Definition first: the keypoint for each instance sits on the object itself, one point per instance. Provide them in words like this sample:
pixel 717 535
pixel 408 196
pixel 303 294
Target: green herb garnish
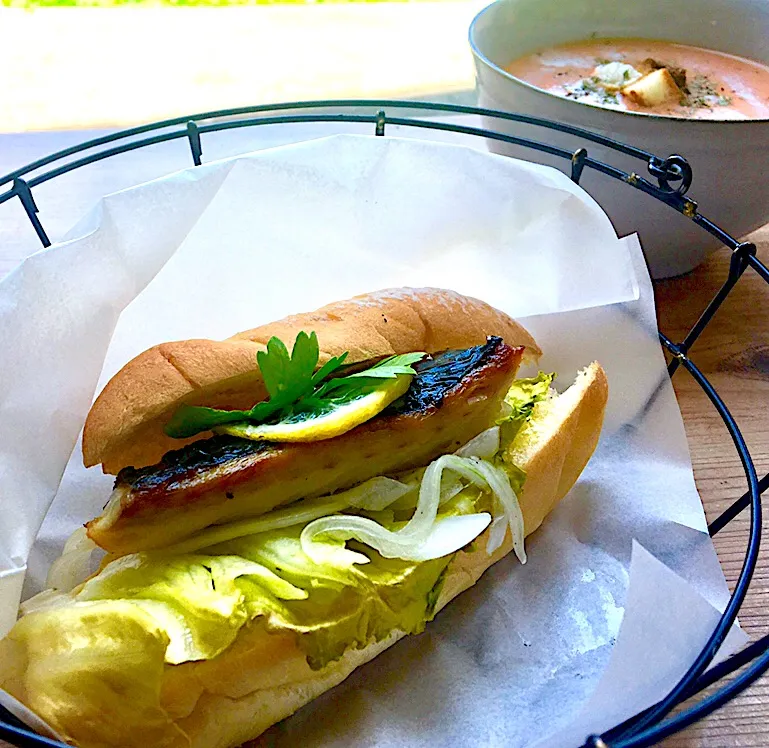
pixel 387 369
pixel 293 386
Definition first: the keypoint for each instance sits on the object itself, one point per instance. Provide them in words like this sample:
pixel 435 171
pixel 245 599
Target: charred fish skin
pixel 195 458
pixel 436 377
pixel 454 396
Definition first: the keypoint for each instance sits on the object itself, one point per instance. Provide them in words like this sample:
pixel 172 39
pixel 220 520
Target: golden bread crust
pixel 125 424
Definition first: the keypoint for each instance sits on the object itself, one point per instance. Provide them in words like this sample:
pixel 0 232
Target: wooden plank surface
pixel 734 354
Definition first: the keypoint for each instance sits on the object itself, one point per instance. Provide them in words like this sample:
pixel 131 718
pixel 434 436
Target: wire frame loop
pixel 673 174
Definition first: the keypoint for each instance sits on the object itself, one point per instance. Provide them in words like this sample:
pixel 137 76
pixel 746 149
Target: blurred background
pixel 82 64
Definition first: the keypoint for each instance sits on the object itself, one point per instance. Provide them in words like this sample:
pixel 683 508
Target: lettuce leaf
pixel 107 653
pixel 194 598
pixel 520 400
pixel 348 606
pixel 197 603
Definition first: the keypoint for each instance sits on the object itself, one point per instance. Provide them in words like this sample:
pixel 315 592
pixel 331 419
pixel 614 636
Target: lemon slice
pixel 336 422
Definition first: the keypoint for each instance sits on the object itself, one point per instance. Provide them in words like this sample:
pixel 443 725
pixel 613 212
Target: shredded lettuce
pixel 111 654
pixel 520 400
pixel 196 598
pixel 199 603
pixel 349 605
pixel 112 639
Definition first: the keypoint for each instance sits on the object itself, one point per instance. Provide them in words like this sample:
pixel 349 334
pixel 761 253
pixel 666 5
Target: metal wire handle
pixel 673 176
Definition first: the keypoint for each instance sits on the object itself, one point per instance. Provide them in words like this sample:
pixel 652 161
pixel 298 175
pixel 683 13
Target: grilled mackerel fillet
pixel 453 397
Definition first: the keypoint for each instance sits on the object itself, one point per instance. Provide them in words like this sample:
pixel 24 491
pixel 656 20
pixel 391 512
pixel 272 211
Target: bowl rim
pixel 665 118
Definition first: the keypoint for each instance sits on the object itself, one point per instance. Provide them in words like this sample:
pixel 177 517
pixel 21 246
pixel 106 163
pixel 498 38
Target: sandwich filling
pixel 452 398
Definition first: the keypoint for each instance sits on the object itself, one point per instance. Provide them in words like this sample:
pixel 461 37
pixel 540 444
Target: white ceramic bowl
pixel 730 159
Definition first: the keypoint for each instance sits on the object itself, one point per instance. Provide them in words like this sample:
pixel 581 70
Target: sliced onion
pixel 449 534
pixel 389 543
pixel 404 542
pixel 486 476
pixel 451 485
pixel 497 533
pixel 344 527
pixel 376 494
pixel 485 445
pixel 499 483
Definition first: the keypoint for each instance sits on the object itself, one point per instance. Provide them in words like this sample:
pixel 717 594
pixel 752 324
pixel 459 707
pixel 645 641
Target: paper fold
pixel 646 660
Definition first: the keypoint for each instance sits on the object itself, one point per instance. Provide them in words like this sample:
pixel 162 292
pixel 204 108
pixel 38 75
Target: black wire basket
pixel 669 181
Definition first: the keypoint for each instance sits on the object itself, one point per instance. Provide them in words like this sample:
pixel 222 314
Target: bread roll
pixel 125 425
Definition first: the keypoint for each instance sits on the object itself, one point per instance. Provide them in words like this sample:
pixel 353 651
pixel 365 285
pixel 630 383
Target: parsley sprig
pixel 294 386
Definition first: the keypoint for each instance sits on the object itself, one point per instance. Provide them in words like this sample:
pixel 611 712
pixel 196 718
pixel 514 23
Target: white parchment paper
pixel 215 249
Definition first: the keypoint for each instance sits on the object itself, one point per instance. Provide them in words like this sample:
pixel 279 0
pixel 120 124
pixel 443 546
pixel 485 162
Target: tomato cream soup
pixel 653 77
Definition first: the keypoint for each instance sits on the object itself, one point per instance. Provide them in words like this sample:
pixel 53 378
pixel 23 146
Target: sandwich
pixel 289 503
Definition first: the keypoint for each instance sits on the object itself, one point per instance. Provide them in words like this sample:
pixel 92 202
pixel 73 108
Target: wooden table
pixel 734 354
